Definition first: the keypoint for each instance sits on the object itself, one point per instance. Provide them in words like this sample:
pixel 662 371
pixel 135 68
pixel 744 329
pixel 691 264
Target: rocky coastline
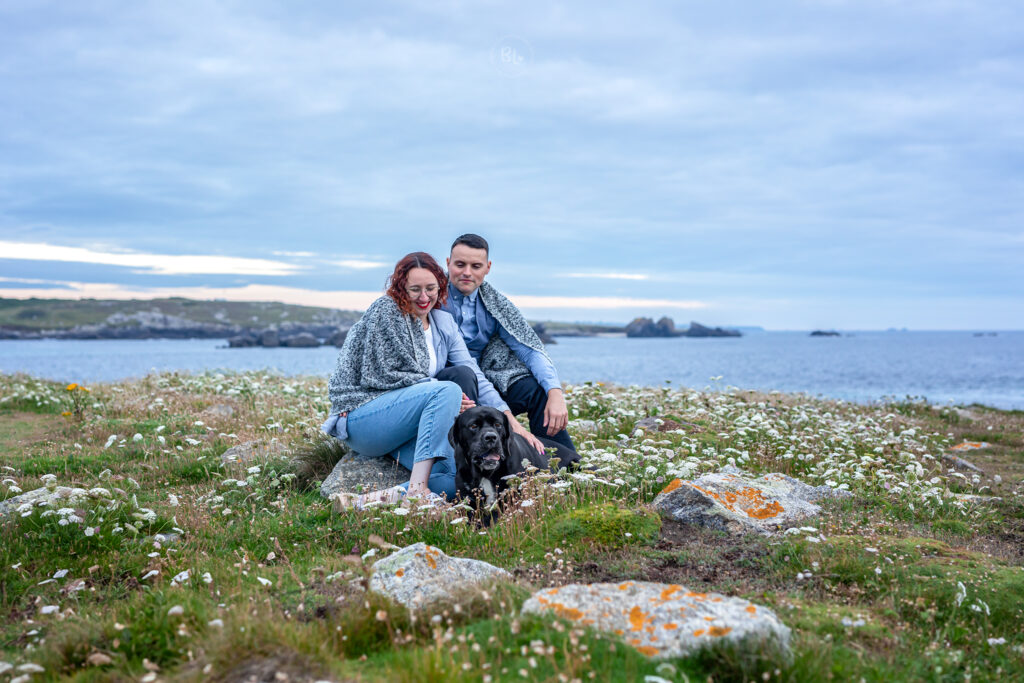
pixel 666 327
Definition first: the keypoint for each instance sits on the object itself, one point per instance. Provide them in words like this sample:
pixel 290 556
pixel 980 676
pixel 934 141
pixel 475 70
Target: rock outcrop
pixel 354 474
pixel 302 340
pixel 420 576
pixel 245 453
pixel 542 333
pixel 658 619
pixel 698 330
pixel 666 327
pixel 56 496
pixel 733 501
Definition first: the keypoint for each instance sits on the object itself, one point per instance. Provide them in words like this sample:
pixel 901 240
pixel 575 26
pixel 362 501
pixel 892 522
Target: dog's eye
pixel 474 427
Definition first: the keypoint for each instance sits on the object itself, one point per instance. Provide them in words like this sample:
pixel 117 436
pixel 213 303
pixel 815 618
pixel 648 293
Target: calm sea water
pixel 866 366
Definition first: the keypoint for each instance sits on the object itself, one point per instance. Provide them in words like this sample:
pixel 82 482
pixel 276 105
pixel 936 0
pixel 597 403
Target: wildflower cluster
pixel 865 449
pixel 71 513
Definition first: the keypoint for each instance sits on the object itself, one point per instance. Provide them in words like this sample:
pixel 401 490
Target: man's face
pixel 467 268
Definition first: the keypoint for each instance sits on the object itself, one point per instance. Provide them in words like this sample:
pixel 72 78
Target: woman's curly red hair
pixel 398 279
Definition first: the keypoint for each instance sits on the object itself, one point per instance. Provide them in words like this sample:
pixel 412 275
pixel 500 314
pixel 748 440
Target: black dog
pixel 487 451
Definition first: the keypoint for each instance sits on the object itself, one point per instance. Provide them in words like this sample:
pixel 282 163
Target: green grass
pixel 953 579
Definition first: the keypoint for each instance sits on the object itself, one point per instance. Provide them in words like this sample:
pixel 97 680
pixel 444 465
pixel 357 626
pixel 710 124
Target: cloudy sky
pixel 855 165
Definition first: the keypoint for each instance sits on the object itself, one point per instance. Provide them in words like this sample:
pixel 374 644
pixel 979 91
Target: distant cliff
pixel 666 327
pixel 174 318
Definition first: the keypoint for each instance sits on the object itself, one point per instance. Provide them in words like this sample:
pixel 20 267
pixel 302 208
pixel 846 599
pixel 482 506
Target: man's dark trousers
pixel 528 396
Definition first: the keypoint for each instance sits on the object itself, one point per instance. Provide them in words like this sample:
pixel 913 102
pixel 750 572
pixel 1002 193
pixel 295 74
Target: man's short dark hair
pixel 472 241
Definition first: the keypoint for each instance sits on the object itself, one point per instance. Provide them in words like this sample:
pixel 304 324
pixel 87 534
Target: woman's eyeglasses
pixel 416 290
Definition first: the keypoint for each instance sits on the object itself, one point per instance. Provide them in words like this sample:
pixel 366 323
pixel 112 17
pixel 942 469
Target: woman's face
pixel 421 288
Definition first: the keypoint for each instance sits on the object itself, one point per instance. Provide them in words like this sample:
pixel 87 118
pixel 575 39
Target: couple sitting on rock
pixel 432 347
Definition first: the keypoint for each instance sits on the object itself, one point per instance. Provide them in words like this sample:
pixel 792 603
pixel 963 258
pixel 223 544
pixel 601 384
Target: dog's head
pixel 480 435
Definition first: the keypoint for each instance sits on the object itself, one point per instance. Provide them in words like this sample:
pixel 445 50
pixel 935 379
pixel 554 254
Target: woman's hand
pixel 467 403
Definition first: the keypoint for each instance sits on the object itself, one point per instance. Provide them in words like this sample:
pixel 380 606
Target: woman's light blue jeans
pixel 411 425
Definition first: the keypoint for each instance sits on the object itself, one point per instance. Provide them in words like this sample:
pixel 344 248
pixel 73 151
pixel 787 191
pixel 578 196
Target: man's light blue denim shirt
pixel 477 326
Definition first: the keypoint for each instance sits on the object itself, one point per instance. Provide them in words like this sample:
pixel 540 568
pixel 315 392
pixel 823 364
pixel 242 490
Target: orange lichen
pixel 671 626
pixel 709 618
pixel 430 556
pixel 566 612
pixel 667 593
pixel 748 499
pixel 400 573
pixel 969 446
pixel 751 609
pixel 699 596
pixel 647 650
pixel 637 618
pixel 699 632
pixel 718 630
pixel 625 586
pixel 672 486
pixel 553 591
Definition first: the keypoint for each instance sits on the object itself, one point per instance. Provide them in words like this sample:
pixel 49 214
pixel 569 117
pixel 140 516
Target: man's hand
pixel 556 414
pixel 521 431
pixel 467 403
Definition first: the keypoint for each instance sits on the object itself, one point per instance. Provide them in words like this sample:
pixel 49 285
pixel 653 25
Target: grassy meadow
pixel 179 568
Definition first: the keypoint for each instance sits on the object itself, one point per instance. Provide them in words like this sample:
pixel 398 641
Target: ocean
pixel 942 367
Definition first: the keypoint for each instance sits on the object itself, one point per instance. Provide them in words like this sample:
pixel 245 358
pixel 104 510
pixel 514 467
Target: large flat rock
pixel 739 503
pixel 355 474
pixel 420 575
pixel 660 619
pixel 252 451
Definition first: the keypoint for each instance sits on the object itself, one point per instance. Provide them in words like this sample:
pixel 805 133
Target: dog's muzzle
pixel 491 459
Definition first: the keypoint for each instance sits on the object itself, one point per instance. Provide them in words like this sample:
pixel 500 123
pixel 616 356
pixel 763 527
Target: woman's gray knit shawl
pixel 498 363
pixel 382 352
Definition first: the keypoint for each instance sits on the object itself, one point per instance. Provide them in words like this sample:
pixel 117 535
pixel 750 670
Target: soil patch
pixel 20 430
pixel 688 555
pixel 277 668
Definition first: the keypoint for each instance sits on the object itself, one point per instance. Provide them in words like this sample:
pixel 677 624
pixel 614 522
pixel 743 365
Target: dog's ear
pixel 451 432
pixel 506 441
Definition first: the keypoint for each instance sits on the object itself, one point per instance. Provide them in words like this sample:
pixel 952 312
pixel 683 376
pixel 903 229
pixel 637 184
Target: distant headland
pixel 249 324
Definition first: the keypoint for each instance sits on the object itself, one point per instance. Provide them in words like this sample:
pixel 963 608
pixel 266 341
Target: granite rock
pixel 245 453
pixel 301 341
pixel 584 426
pixel 421 575
pixel 218 410
pixel 355 474
pixel 733 501
pixel 661 620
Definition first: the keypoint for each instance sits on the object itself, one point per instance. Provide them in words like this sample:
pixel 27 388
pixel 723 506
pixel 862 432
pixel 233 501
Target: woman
pixel 392 394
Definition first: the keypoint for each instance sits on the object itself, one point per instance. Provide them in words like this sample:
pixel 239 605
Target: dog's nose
pixel 490 438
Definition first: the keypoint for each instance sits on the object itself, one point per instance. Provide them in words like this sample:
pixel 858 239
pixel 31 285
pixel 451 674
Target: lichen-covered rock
pixel 960 463
pixel 969 446
pixel 245 453
pixel 660 619
pixel 218 411
pixel 421 575
pixel 354 474
pixel 584 426
pixel 733 501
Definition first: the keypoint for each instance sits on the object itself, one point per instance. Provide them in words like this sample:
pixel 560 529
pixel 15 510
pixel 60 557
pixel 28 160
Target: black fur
pixel 487 451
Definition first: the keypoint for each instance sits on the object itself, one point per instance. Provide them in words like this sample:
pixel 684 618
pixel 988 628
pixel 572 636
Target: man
pixel 507 349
